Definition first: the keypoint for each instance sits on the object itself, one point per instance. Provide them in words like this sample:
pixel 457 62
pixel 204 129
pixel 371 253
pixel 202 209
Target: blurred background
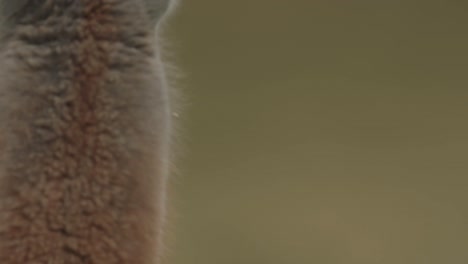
pixel 322 132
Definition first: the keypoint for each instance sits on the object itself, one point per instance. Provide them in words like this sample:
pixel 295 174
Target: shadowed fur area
pixel 84 133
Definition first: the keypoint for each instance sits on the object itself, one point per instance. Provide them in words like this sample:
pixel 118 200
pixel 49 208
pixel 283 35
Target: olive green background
pixel 321 132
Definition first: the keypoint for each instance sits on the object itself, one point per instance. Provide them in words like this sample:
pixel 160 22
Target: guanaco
pixel 85 125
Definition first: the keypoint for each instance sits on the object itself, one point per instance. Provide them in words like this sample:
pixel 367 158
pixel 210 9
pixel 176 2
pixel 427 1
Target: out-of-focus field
pixel 322 132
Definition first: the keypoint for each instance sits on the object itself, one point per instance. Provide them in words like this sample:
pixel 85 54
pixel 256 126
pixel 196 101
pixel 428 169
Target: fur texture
pixel 84 132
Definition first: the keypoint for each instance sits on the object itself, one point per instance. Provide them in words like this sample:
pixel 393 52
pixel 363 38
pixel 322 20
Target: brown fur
pixel 84 133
